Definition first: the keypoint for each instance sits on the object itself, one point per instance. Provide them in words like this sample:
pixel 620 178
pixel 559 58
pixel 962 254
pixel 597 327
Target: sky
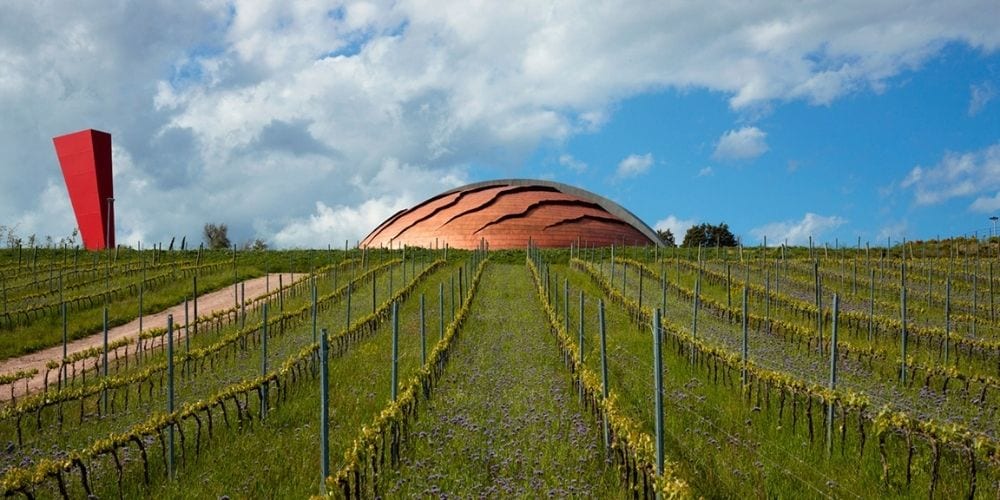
pixel 307 123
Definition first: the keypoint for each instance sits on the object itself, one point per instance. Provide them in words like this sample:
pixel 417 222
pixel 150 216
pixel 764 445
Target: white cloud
pixel 676 226
pixel 979 96
pixel 743 144
pixel 634 165
pixel 798 232
pixel 571 163
pixel 986 204
pixel 956 176
pixel 250 112
pixel 706 171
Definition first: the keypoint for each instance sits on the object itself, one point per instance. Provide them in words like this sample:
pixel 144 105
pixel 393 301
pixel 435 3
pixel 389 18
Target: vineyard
pixel 584 372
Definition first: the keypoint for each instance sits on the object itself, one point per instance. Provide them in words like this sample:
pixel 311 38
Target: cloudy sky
pixel 306 123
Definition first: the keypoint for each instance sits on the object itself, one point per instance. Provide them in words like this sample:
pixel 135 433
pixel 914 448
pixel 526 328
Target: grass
pixel 504 421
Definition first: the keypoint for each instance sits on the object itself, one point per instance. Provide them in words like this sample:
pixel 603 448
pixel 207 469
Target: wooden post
pixel 658 387
pixel 745 351
pixel 423 333
pixel 263 366
pixel 833 374
pixel 581 344
pixel 395 348
pixel 947 317
pixel 604 369
pixel 903 339
pixel 441 310
pixel 314 311
pixel 194 281
pixel 104 395
pixel 347 325
pixel 170 391
pixel 324 410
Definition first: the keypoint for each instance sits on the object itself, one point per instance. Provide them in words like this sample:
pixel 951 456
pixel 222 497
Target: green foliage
pixel 216 236
pixel 709 235
pixel 667 237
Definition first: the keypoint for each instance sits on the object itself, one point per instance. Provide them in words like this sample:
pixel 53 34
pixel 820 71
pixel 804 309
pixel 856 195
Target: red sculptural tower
pixel 85 159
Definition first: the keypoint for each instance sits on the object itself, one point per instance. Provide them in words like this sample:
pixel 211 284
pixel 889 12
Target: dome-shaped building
pixel 506 213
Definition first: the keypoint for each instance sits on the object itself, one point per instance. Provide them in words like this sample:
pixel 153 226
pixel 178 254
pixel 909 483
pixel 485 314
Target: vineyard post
pixel 744 352
pixel 624 275
pixel 640 289
pixel 347 326
pixel 658 387
pixel 902 313
pixel 390 279
pixel 64 342
pixel 767 300
pixel 281 293
pixel 452 293
pixel 816 297
pixel 243 305
pixel 871 303
pixel 694 311
pixel 930 288
pixel 729 292
pixel 373 292
pixel 566 303
pixel 187 337
pixel 263 366
pixel 461 287
pixel 236 291
pixel 819 307
pixel 194 295
pixel 441 310
pixel 395 348
pixel 104 394
pixel 992 308
pixel 663 288
pixel 581 344
pixel 947 317
pixel 324 410
pixel 142 283
pixel 314 332
pixel 170 391
pixel 612 265
pixel 604 369
pixel 854 277
pixel 423 333
pixel 833 374
pixel 975 296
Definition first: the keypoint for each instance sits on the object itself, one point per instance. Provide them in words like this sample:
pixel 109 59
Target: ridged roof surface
pixel 506 213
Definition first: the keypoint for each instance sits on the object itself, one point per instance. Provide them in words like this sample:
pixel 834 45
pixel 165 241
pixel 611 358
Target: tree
pixel 667 237
pixel 709 235
pixel 256 244
pixel 216 236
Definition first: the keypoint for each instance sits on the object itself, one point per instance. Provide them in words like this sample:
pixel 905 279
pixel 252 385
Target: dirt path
pixel 218 300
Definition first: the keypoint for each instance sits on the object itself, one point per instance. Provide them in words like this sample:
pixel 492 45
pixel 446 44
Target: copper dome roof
pixel 506 213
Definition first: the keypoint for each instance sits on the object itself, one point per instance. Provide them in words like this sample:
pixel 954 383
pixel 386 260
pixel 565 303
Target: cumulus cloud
pixel 252 112
pixel 957 175
pixel 798 232
pixel 634 165
pixel 571 163
pixel 979 96
pixel 743 144
pixel 706 172
pixel 676 225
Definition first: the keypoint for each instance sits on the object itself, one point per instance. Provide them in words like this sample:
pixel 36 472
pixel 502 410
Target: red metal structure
pixel 85 159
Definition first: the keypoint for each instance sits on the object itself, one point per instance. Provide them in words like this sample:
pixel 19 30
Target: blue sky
pixel 308 123
pixel 844 159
